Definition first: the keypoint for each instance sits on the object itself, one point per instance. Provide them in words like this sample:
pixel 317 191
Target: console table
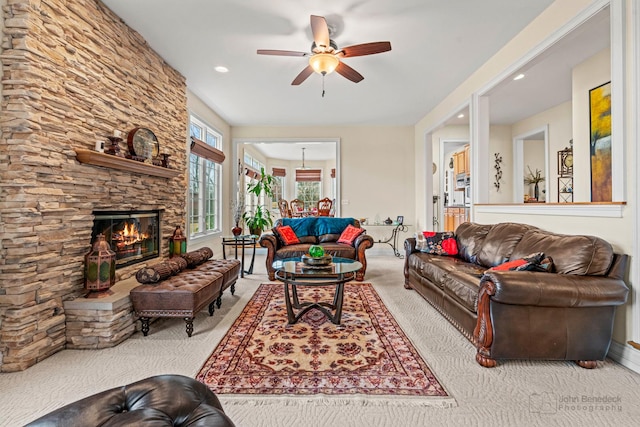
pixel 242 241
pixel 393 238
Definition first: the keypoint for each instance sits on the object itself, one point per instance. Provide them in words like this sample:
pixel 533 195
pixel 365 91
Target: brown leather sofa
pixel 164 400
pixel 323 231
pixel 567 314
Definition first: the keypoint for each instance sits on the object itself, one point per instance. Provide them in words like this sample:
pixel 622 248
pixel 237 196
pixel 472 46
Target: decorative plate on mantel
pixel 137 139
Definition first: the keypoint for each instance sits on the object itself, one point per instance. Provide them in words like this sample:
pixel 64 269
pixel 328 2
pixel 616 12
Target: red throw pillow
pixel 349 234
pixel 510 265
pixel 286 235
pixel 533 262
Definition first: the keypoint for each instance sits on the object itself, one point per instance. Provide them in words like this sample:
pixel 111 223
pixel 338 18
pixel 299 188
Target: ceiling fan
pixel 325 57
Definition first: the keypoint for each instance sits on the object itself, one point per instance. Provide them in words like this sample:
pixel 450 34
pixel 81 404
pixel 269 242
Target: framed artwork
pixel 600 142
pixel 400 219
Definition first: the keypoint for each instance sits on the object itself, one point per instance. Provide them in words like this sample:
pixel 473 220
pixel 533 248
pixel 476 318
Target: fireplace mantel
pixel 110 161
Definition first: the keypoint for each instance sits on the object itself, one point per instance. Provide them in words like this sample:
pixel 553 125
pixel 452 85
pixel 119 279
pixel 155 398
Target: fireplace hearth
pixel 133 235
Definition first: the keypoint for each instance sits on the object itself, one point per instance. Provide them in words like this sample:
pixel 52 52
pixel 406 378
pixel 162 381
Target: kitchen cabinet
pixel 461 160
pixel 467 160
pixel 454 216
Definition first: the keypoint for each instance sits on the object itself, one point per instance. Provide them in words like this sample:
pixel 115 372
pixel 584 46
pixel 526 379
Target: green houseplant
pixel 260 218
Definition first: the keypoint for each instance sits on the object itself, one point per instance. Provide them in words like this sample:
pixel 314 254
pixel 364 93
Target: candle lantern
pixel 99 269
pixel 177 242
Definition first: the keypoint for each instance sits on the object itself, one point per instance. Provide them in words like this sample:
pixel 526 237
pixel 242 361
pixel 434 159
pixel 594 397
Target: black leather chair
pixel 171 400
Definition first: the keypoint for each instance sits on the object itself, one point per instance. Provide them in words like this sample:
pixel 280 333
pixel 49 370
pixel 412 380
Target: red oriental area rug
pixel 367 355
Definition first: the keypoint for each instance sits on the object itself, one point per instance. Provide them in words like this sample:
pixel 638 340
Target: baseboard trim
pixel 625 355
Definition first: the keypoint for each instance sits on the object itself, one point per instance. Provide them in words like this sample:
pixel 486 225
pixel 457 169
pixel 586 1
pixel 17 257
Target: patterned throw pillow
pixel 533 262
pixel 286 235
pixel 349 234
pixel 439 243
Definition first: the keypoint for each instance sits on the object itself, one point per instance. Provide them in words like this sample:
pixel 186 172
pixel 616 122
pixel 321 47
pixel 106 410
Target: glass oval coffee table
pixel 293 272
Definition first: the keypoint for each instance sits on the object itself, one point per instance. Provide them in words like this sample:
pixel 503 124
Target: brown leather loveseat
pixel 163 400
pixel 323 231
pixel 565 314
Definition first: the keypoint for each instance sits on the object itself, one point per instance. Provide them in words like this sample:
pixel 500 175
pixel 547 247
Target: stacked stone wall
pixel 72 73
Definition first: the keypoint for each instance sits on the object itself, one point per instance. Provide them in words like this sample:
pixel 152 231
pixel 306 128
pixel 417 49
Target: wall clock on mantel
pixel 138 139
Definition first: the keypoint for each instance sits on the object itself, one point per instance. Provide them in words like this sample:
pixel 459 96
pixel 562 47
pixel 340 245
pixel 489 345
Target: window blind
pixel 308 175
pixel 202 149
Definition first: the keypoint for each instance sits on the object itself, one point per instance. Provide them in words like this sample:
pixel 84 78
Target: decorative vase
pixel 536 192
pixel 237 230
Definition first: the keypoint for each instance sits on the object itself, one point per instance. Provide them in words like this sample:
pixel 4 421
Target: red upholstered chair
pixel 324 206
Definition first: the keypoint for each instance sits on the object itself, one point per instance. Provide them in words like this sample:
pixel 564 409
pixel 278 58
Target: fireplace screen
pixel 134 236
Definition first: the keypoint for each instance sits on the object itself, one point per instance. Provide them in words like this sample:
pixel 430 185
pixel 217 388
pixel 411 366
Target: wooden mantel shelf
pixel 110 161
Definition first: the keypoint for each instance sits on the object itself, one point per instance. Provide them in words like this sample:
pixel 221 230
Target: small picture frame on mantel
pixel 400 219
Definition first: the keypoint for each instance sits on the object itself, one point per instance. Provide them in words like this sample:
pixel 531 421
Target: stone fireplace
pixel 66 85
pixel 133 235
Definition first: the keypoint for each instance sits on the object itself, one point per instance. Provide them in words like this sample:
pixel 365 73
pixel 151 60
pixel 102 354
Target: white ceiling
pixel 436 45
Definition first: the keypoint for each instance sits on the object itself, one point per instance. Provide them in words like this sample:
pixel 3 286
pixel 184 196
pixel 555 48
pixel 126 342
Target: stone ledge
pixel 112 302
pixel 94 323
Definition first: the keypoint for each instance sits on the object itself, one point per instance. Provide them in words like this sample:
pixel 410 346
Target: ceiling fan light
pixel 323 63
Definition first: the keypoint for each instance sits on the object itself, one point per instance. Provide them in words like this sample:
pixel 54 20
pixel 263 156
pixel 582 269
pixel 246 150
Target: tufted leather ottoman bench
pixel 186 293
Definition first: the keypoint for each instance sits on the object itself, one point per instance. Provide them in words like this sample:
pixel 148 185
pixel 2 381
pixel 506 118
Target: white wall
pixel 500 141
pixel 559 122
pixel 376 169
pixel 210 117
pixel 592 73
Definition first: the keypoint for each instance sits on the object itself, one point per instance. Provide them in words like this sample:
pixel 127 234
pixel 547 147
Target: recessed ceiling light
pixel 519 76
pixel 221 69
pixel 460 115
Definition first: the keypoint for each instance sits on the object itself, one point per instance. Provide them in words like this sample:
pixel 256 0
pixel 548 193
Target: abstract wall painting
pixel 600 133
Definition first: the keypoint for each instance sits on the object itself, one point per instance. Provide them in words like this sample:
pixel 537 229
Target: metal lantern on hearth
pixel 177 242
pixel 99 268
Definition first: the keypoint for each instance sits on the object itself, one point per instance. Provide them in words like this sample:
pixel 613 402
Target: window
pixel 309 192
pixel 252 168
pixel 278 185
pixel 204 183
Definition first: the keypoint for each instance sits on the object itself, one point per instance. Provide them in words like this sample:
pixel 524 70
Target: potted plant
pixel 260 217
pixel 535 179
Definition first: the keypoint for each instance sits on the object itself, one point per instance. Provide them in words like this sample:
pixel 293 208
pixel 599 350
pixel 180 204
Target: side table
pixel 392 240
pixel 242 241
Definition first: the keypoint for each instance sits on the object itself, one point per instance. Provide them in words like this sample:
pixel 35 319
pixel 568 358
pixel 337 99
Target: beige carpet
pixel 513 394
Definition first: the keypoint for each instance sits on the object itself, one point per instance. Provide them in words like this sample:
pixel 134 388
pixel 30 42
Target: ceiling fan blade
pixel 281 52
pixel 348 72
pixel 320 31
pixel 365 49
pixel 302 76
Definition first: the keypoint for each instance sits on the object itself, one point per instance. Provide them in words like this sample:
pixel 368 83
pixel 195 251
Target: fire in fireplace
pixel 133 235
